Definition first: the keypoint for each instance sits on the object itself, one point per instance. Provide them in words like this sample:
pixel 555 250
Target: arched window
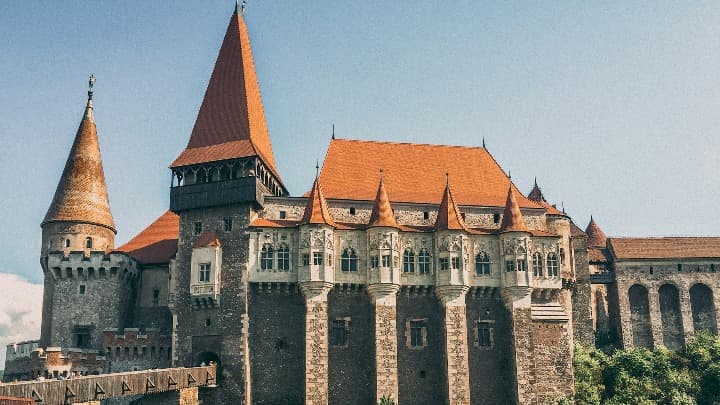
pixel 283 254
pixel 67 243
pixel 349 260
pixel 482 264
pixel 266 257
pixel 537 264
pixel 408 261
pixel 552 264
pixel 88 242
pixel 424 262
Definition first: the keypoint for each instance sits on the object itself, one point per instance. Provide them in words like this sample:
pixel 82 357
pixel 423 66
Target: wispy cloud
pixel 20 311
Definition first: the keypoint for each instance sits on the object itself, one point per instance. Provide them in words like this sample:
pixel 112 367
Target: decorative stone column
pixel 316 341
pixel 456 346
pixel 655 316
pixel 384 297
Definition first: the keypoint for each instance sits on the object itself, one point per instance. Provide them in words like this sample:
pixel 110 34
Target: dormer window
pixel 88 243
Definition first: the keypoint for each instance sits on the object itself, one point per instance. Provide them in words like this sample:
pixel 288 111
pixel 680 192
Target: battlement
pixel 20 350
pixel 97 264
pixel 132 348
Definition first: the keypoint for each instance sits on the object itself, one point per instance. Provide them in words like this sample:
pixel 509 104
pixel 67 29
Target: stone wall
pixel 132 350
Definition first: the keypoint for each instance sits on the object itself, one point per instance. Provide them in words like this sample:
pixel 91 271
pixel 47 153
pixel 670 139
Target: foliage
pixel 639 376
pixel 386 400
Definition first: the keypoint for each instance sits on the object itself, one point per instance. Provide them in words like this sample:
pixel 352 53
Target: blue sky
pixel 614 106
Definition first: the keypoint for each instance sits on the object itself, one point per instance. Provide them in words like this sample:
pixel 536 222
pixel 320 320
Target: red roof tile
pixel 316 210
pixel 449 217
pixel 665 248
pixel 207 239
pixel 597 254
pixel 157 243
pixel 382 213
pixel 81 194
pixel 512 217
pixel 231 121
pixel 414 173
pixel 596 237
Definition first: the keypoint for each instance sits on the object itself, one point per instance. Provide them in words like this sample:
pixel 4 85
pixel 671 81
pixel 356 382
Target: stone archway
pixel 671 317
pixel 640 316
pixel 703 308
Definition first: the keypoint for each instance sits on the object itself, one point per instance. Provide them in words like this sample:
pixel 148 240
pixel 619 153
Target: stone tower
pixel 219 184
pixel 81 298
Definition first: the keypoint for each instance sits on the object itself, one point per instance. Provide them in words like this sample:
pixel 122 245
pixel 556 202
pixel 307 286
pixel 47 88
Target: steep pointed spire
pixel 382 212
pixel 231 121
pixel 512 217
pixel 596 237
pixel 81 194
pixel 449 217
pixel 316 210
pixel 536 194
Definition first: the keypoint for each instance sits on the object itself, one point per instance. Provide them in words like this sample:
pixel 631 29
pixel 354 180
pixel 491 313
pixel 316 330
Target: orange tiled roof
pixel 81 194
pixel 231 121
pixel 665 248
pixel 598 254
pixel 316 210
pixel 512 217
pixel 449 217
pixel 414 173
pixel 382 213
pixel 207 239
pixel 596 237
pixel 157 243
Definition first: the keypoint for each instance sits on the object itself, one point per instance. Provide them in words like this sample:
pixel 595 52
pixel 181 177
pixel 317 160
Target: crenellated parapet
pixel 95 265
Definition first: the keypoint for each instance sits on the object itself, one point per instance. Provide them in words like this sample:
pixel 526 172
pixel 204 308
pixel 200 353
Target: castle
pixel 410 271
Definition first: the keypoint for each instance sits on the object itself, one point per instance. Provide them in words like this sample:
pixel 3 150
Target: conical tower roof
pixel 449 217
pixel 231 121
pixel 316 210
pixel 536 194
pixel 596 237
pixel 81 194
pixel 382 212
pixel 512 217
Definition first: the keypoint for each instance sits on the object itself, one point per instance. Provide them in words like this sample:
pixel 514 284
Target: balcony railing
pixel 244 189
pixel 204 289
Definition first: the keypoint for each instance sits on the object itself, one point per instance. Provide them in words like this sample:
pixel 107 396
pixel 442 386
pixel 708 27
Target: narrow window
pixel 267 254
pixel 156 296
pixel 424 262
pixel 306 259
pixel 562 256
pixel 417 333
pixel 522 264
pixel 509 265
pixel 283 214
pixel 426 215
pixel 197 230
pixel 317 258
pixel 338 335
pixel 537 264
pixel 67 243
pixel 386 261
pixel 462 215
pixel 348 260
pixel 455 262
pixel 227 224
pixel 408 261
pixel 679 267
pixel 552 264
pixel 444 263
pixel 352 210
pixel 204 274
pixel 82 289
pixel 482 264
pixel 88 243
pixel 484 334
pixel 496 218
pixel 712 267
pixel 283 257
pixel 374 262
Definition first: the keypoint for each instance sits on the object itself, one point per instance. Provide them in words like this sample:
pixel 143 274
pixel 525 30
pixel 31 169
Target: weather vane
pixel 240 6
pixel 91 82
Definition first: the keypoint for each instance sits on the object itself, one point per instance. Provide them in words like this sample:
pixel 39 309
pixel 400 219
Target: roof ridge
pixel 407 143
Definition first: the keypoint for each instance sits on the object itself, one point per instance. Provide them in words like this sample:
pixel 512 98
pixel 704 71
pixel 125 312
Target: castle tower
pixel 596 237
pixel 219 184
pixel 79 302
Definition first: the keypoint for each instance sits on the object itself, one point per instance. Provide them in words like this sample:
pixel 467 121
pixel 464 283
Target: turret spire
pixel 596 237
pixel 382 212
pixel 316 210
pixel 81 194
pixel 512 220
pixel 449 217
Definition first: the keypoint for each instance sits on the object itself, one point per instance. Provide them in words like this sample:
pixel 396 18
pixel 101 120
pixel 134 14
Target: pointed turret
pixel 512 217
pixel 449 217
pixel 316 210
pixel 596 237
pixel 81 195
pixel 382 212
pixel 536 194
pixel 231 121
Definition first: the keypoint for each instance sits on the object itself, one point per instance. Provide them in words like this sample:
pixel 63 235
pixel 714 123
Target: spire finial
pixel 333 134
pixel 240 6
pixel 447 179
pixel 535 181
pixel 484 142
pixel 381 174
pixel 562 205
pixel 91 83
pixel 317 169
pixel 509 176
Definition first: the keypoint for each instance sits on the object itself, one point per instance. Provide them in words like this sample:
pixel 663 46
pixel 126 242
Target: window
pixel 374 262
pixel 197 230
pixel 88 243
pixel 338 332
pixel 455 262
pixel 417 333
pixel 352 210
pixel 348 260
pixel 552 264
pixel 537 264
pixel 82 336
pixel 426 215
pixel 562 256
pixel 306 259
pixel 67 243
pixel 408 261
pixel 283 259
pixel 424 262
pixel 712 267
pixel 227 224
pixel 82 289
pixel 522 264
pixel 484 334
pixel 267 254
pixel 679 266
pixel 496 218
pixel 444 263
pixel 482 264
pixel 204 276
pixel 386 261
pixel 509 265
pixel 317 258
pixel 283 214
